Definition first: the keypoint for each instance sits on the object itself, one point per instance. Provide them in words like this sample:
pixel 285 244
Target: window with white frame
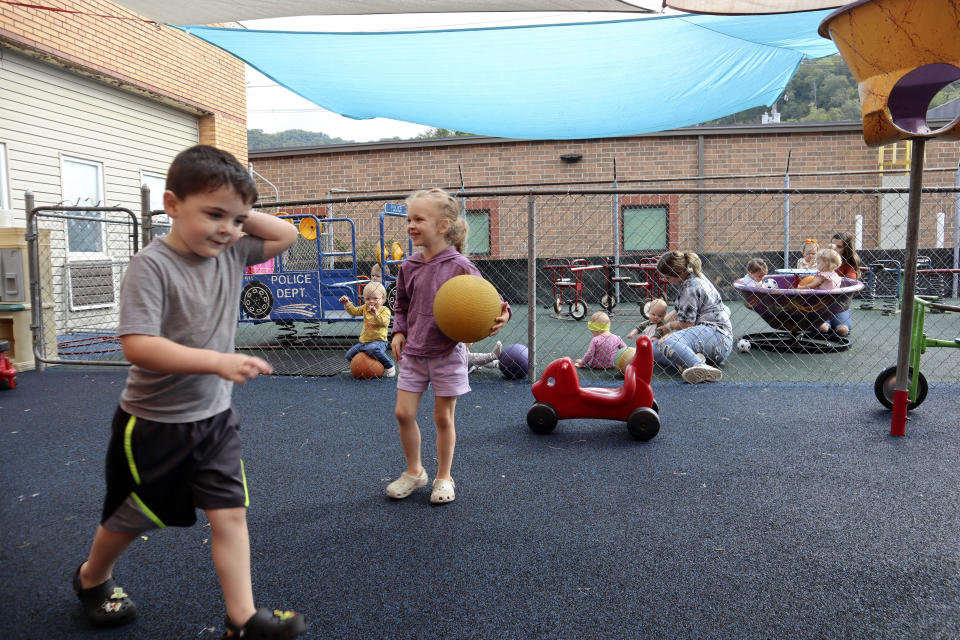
pixel 82 186
pixel 157 184
pixel 90 269
pixel 4 191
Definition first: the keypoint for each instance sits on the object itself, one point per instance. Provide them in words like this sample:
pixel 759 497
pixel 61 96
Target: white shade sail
pixel 182 12
pixel 744 7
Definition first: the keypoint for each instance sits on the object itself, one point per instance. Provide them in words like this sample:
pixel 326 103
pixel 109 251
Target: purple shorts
pixel 447 374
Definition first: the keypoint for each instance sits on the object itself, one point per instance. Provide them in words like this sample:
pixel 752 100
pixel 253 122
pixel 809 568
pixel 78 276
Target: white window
pixel 4 190
pixel 90 268
pixel 82 186
pixel 157 184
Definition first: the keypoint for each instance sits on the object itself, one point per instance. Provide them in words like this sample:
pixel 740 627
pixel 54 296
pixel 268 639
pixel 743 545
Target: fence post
pixel 956 230
pixel 146 219
pixel 532 287
pixel 902 382
pixel 786 214
pixel 33 257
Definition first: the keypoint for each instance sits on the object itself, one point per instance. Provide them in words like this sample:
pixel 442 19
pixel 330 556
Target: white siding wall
pixel 47 112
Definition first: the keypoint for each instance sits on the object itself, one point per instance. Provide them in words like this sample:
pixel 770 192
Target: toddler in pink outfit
pixel 602 352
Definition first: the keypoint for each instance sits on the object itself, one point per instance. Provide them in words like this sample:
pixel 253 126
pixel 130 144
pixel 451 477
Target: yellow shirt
pixel 375 323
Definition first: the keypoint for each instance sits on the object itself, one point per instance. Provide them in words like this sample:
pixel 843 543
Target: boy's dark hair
pixel 202 169
pixel 756 264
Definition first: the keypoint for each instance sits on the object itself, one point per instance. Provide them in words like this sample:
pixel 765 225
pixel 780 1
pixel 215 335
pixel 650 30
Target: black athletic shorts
pixel 159 473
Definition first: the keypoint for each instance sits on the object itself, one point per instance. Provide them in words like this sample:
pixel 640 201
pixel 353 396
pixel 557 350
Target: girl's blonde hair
pixel 808 243
pixel 374 287
pixel 832 257
pixel 600 317
pixel 680 264
pixel 449 210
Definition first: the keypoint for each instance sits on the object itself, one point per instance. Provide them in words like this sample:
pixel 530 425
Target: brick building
pixel 820 155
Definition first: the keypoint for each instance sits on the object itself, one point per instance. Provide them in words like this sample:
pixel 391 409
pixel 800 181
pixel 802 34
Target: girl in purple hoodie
pixel 423 353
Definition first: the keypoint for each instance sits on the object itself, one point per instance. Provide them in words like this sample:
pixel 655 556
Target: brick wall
pixel 581 225
pixel 156 61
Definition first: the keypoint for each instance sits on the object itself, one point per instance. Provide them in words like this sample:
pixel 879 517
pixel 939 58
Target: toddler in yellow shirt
pixel 376 321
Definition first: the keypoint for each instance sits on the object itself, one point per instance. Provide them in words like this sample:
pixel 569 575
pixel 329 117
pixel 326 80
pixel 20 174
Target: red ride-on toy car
pixel 8 374
pixel 560 397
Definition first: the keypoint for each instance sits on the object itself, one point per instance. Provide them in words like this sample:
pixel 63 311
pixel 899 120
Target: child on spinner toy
pixel 425 354
pixel 602 352
pixel 376 320
pixel 810 251
pixel 656 313
pixel 756 271
pixel 175 445
pixel 828 261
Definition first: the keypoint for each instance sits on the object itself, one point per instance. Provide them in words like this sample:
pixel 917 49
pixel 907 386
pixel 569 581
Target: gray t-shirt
pixel 193 301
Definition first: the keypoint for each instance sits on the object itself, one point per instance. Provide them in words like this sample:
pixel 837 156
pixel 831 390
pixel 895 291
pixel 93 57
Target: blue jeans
pixel 376 349
pixel 842 318
pixel 680 348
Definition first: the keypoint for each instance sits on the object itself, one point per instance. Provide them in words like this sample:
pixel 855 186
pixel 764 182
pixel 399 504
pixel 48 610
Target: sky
pixel 273 108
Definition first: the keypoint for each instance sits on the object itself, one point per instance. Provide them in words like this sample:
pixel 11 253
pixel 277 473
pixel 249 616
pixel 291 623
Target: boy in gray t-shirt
pixel 175 445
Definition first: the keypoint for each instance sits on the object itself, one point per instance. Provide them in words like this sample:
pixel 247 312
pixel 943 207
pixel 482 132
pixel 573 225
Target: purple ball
pixel 513 361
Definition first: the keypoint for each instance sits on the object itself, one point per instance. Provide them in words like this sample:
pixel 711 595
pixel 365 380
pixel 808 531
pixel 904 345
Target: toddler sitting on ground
pixel 602 352
pixel 656 312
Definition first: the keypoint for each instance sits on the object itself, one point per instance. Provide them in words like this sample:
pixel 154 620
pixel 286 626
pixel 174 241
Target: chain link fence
pixel 587 250
pixel 78 257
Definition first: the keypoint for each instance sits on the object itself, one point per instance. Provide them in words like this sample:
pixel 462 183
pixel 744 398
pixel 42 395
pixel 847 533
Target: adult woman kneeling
pixel 699 323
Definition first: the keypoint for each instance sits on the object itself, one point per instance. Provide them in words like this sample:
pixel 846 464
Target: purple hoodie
pixel 417 285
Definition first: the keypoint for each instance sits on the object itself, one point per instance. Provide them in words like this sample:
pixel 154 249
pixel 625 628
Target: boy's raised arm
pixel 277 234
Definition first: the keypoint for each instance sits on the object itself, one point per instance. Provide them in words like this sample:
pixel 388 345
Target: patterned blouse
pixel 602 352
pixel 699 302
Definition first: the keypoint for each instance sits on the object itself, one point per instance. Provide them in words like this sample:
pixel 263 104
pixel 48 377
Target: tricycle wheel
pixel 644 424
pixel 656 407
pixel 578 310
pixel 542 418
pixel 608 302
pixel 557 304
pixel 883 387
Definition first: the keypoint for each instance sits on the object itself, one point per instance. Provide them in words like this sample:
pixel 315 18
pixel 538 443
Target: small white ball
pixel 743 345
pixel 768 284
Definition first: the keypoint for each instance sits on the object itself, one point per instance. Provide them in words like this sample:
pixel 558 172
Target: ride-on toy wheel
pixel 883 387
pixel 542 418
pixel 608 302
pixel 644 424
pixel 578 310
pixel 557 305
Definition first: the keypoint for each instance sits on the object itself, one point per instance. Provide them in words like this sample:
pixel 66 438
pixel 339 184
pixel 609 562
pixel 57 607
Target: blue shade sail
pixel 560 81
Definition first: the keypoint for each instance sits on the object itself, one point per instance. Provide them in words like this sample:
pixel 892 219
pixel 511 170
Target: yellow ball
pixel 466 307
pixel 624 357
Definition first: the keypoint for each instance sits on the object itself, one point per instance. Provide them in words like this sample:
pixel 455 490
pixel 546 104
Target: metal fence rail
pixel 559 255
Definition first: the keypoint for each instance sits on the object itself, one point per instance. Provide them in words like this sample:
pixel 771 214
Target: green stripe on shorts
pixel 128 448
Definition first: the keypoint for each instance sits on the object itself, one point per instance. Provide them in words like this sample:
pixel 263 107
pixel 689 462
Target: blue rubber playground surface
pixel 759 511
